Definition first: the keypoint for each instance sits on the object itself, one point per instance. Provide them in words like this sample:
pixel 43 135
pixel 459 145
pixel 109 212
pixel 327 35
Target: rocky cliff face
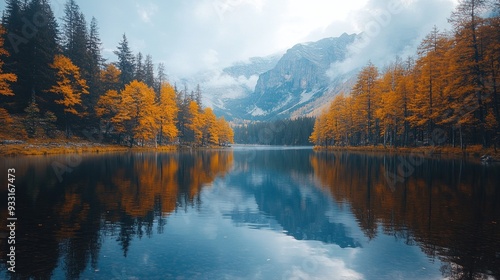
pixel 291 85
pixel 298 78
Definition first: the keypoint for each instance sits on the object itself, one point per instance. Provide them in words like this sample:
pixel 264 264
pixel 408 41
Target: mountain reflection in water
pixel 253 213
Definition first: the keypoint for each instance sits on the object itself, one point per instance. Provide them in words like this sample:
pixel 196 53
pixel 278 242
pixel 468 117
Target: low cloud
pixel 390 29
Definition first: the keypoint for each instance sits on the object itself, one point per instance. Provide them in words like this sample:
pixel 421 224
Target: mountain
pixel 299 77
pixel 294 85
pixel 235 82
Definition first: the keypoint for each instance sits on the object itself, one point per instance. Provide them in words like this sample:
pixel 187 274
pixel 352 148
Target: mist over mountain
pixel 303 80
pixel 285 86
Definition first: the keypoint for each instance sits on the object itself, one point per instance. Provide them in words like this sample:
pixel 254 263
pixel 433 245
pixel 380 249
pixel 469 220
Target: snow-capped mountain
pixel 294 84
pixel 233 83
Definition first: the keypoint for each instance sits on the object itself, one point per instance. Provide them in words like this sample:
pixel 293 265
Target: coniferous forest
pixel 279 132
pixel 55 83
pixel 448 94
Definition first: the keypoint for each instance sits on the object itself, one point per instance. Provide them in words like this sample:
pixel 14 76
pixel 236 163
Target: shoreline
pixel 82 147
pixel 471 152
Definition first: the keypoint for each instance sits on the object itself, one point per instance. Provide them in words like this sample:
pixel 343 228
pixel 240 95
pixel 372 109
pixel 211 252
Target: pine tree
pixel 32 119
pixel 197 96
pixel 95 64
pixel 149 75
pixel 34 49
pixel 139 68
pixel 161 78
pixel 13 39
pixel 125 63
pixel 75 37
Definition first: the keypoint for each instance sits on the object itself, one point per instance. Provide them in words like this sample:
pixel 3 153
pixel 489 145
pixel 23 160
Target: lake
pixel 252 212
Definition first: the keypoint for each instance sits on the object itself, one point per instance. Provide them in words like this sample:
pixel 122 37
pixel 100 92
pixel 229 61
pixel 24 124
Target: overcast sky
pixel 193 35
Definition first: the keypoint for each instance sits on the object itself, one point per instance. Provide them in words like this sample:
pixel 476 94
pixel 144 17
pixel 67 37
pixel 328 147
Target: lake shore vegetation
pixel 445 99
pixel 57 91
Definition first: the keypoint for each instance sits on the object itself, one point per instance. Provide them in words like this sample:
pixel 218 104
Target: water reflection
pixel 449 208
pixel 253 214
pixel 124 196
pixel 281 184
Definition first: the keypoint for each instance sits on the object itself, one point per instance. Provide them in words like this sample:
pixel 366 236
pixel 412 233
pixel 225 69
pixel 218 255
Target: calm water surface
pixel 252 213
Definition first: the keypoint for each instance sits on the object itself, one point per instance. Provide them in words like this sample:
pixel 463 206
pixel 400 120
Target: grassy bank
pixel 474 152
pixel 70 147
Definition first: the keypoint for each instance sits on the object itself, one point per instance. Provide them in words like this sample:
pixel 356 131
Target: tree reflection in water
pixel 121 196
pixel 447 207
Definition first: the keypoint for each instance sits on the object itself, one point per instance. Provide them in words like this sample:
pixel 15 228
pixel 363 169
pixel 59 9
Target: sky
pixel 190 36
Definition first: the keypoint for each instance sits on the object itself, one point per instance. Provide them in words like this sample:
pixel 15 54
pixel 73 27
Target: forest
pixel 55 83
pixel 446 95
pixel 279 132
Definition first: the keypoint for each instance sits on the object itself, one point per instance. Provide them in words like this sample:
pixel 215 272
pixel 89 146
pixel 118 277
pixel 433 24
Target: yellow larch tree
pixel 469 63
pixel 194 123
pixel 390 110
pixel 5 80
pixel 429 104
pixel 137 114
pixel 70 86
pixel 107 107
pixel 110 78
pixel 226 133
pixel 363 92
pixel 490 34
pixel 210 127
pixel 318 135
pixel 167 113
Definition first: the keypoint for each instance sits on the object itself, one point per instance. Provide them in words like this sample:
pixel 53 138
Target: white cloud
pixel 387 29
pixel 146 11
pixel 187 34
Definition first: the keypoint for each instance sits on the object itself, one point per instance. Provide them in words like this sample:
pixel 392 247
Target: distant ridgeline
pixel 447 95
pixel 279 132
pixel 56 80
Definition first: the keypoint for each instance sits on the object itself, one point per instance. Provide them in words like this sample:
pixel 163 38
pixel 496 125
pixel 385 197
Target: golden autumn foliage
pixel 69 84
pixel 210 128
pixel 418 207
pixel 140 116
pixel 110 78
pixel 226 133
pixel 451 89
pixel 5 78
pixel 195 121
pixel 168 111
pixel 137 112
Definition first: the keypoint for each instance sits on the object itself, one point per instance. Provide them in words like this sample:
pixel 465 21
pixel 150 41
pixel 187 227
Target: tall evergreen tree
pixel 161 77
pixel 94 64
pixel 139 68
pixel 35 74
pixel 125 63
pixel 149 75
pixel 31 40
pixel 75 36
